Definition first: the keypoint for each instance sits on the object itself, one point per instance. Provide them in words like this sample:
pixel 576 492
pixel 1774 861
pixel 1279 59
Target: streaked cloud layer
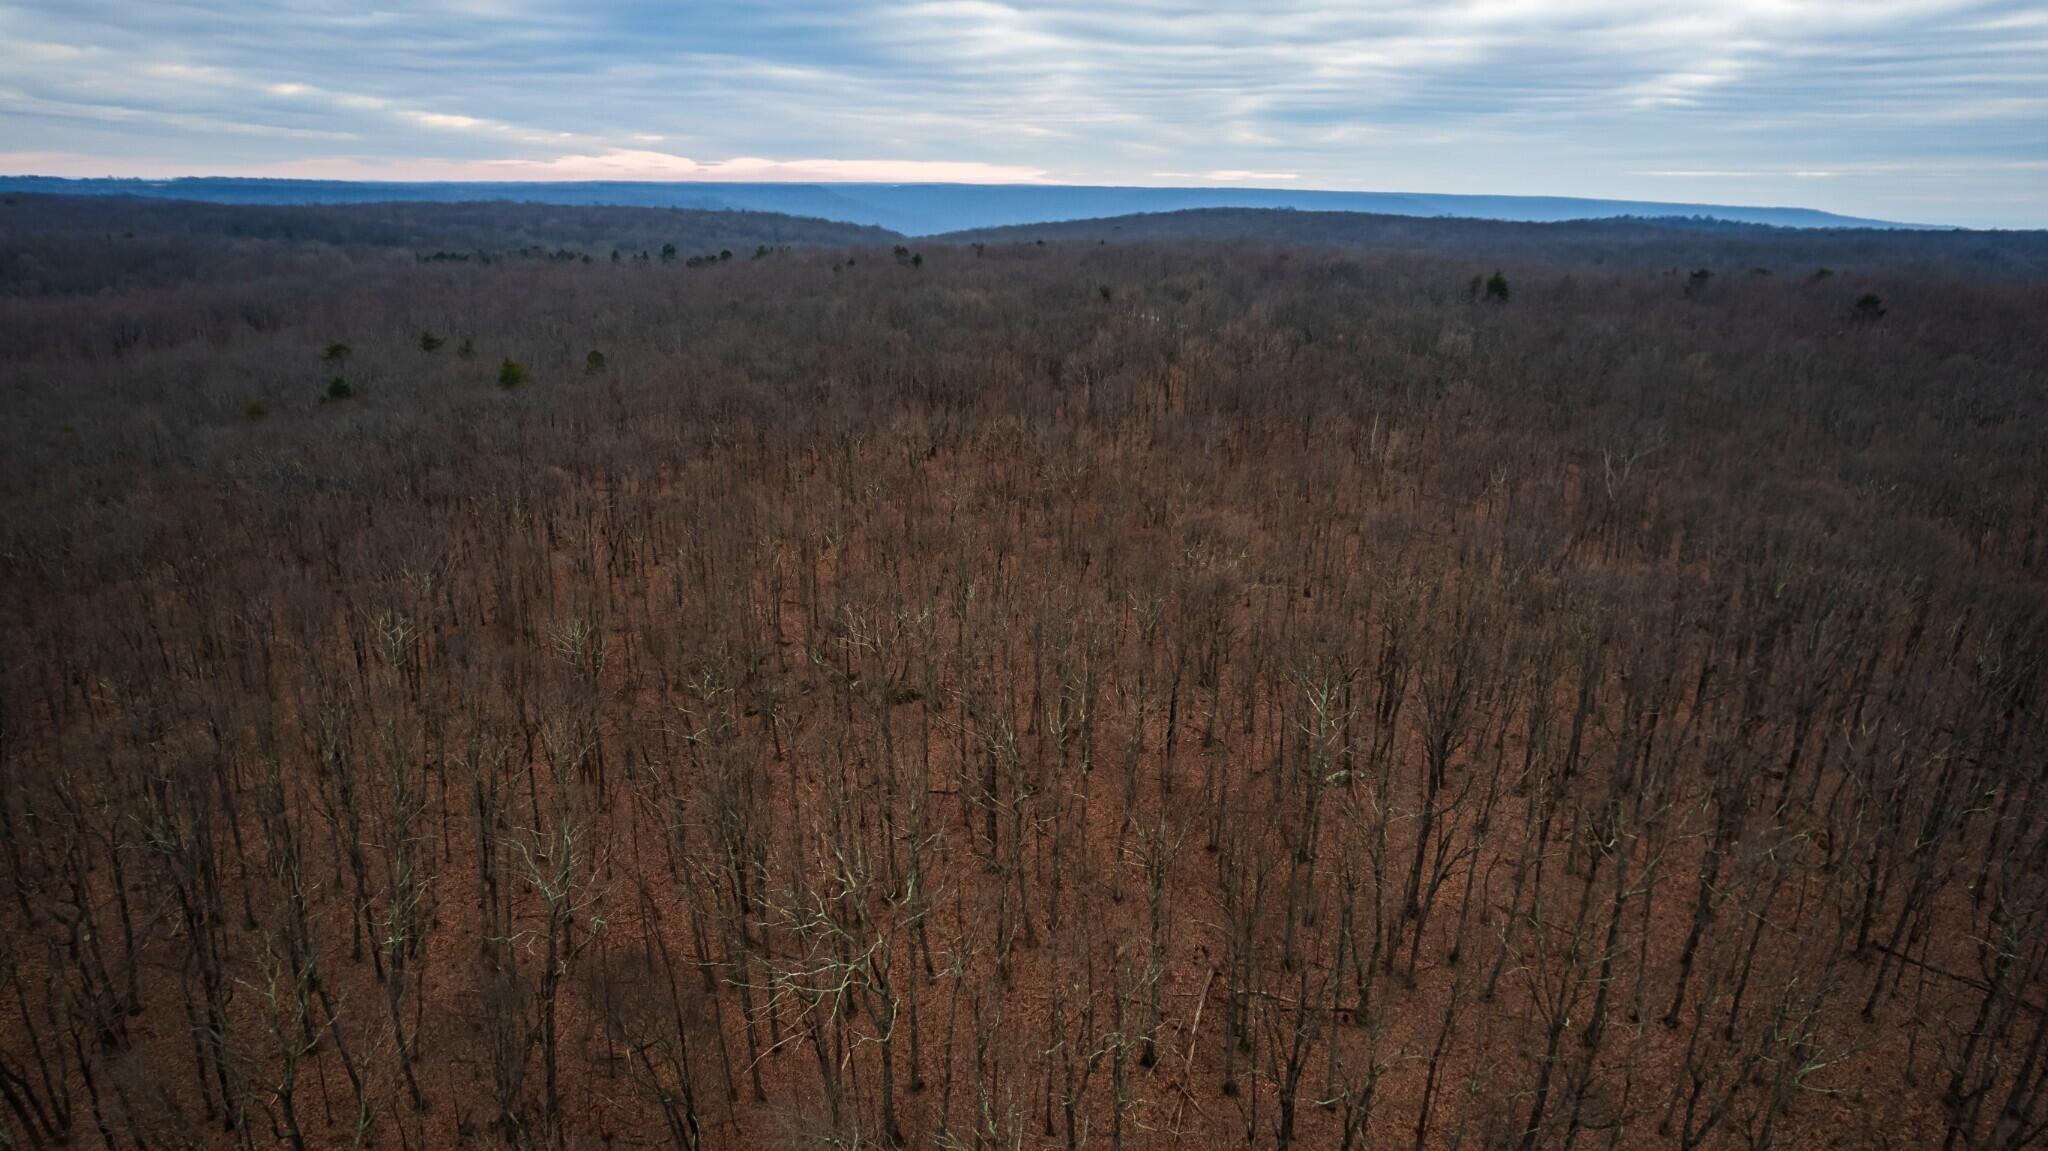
pixel 1907 109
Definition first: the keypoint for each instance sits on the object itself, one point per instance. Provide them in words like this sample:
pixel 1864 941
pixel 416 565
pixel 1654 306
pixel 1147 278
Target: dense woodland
pixel 67 244
pixel 1676 245
pixel 1480 694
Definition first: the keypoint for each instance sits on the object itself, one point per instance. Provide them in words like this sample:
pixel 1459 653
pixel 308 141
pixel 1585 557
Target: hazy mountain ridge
pixel 930 209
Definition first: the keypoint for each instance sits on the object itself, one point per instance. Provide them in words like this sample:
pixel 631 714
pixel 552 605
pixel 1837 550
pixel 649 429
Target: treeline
pixel 1067 695
pixel 65 244
pixel 1678 244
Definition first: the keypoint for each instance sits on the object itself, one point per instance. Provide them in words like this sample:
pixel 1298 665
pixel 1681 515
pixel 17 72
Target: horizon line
pixel 714 181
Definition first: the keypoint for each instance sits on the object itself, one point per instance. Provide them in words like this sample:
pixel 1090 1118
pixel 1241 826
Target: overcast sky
pixel 1923 110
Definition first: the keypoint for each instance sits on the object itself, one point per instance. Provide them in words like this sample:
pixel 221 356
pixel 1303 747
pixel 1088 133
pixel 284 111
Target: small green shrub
pixel 593 363
pixel 255 410
pixel 511 374
pixel 338 389
pixel 430 343
pixel 1497 287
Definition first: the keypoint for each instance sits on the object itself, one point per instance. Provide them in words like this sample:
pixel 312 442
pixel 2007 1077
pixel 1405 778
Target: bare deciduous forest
pixel 1482 692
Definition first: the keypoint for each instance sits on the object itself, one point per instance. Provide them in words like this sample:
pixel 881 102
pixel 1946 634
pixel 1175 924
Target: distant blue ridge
pixel 927 209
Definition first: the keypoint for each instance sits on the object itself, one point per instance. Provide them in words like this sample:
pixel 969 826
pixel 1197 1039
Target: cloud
pixel 446 120
pixel 1700 174
pixel 1571 97
pixel 615 165
pixel 639 164
pixel 1229 176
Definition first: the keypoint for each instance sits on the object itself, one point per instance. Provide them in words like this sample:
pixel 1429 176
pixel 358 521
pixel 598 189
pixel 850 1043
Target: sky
pixel 1916 110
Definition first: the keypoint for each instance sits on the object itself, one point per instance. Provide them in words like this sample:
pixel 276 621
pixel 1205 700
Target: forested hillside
pixel 51 244
pixel 1524 691
pixel 1680 245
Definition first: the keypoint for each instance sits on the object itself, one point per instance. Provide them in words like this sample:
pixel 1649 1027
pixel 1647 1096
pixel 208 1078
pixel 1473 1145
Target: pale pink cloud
pixel 1229 176
pixel 615 164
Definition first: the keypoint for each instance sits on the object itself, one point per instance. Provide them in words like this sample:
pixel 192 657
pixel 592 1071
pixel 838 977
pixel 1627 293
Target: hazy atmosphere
pixel 1912 110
